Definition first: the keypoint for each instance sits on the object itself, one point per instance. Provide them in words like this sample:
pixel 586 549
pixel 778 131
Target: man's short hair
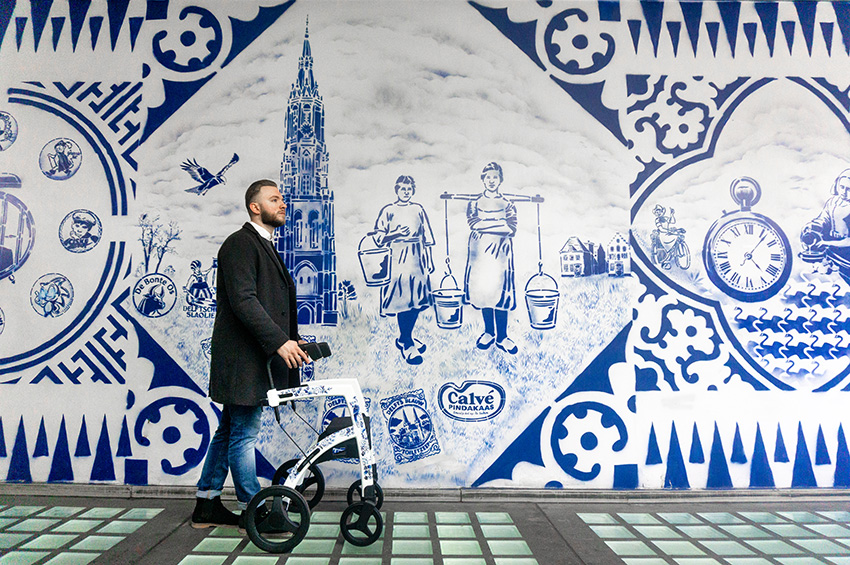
pixel 254 189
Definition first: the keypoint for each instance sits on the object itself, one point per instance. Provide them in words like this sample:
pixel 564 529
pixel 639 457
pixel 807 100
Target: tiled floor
pixel 734 538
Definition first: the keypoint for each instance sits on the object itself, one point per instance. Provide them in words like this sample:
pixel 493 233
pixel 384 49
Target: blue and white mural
pixel 564 244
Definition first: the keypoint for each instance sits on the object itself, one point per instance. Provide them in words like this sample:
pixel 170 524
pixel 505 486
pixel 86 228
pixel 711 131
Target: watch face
pixel 749 257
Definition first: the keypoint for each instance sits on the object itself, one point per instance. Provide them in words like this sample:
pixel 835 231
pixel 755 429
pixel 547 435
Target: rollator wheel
pixel 282 520
pixel 355 488
pixel 312 486
pixel 361 524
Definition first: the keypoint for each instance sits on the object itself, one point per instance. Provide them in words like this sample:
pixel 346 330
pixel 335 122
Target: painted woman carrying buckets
pixel 404 226
pixel 489 279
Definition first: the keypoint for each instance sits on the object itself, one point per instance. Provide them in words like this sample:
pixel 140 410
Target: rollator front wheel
pixel 277 519
pixel 312 486
pixel 355 488
pixel 361 524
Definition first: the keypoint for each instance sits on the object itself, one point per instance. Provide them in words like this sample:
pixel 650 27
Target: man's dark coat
pixel 256 313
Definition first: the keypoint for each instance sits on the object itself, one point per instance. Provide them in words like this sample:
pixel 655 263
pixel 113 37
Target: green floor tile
pixel 318 546
pixel 411 561
pixel 33 525
pixel 696 561
pixel 97 543
pixel 461 531
pixel 745 531
pixel 595 518
pixel 322 517
pixel 789 531
pixel 61 511
pixel 464 561
pixel 773 547
pixel 217 545
pixel 360 561
pixel 225 533
pixel 630 548
pixel 612 532
pixel 680 518
pixel 657 532
pixel 68 558
pixel 501 531
pixel 839 516
pixel 834 560
pixel 203 560
pixel 720 517
pixel 508 547
pixel 409 518
pixel 8 541
pixel 727 548
pixel 800 561
pixel 323 531
pixel 802 517
pixel 822 546
pixel 256 560
pixel 141 513
pixel 495 518
pixel 415 547
pixel 638 518
pixel 122 527
pixel 763 517
pixel 452 517
pixel 6 522
pixel 78 526
pixel 411 531
pixel 702 532
pixel 831 530
pixel 678 548
pixel 20 511
pixel 459 547
pixel 644 561
pixel 101 513
pixel 515 561
pixel 298 560
pixel 748 561
pixel 22 557
pixel 49 541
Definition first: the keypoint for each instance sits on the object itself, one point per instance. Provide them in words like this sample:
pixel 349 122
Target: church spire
pixel 306 84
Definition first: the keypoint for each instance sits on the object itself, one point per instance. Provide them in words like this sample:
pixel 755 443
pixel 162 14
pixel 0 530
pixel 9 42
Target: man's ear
pixel 254 208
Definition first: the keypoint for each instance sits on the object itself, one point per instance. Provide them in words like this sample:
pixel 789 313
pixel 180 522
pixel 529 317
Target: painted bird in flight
pixel 203 176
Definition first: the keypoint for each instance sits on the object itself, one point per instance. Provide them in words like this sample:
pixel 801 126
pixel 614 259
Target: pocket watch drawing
pixel 746 254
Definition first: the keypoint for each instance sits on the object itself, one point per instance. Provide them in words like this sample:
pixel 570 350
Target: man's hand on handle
pixel 293 355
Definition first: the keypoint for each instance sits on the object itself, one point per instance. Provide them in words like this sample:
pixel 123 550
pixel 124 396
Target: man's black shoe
pixel 210 513
pixel 264 525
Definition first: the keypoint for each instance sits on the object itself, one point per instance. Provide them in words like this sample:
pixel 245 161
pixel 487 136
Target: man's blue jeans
pixel 232 447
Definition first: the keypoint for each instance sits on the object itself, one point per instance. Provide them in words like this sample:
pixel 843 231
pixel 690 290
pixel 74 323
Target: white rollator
pixel 346 437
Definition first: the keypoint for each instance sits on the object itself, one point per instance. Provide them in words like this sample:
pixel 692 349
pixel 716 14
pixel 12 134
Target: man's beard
pixel 271 219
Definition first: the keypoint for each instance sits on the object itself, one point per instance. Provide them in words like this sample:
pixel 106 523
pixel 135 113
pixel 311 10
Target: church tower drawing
pixel 307 242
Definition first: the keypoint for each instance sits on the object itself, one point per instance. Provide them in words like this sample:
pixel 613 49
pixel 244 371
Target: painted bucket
pixel 541 299
pixel 375 263
pixel 448 304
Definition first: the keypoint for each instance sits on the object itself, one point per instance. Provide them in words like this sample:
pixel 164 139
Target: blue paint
pixel 780 454
pixel 83 449
pixel 841 478
pixel 60 466
pixel 806 14
pixel 653 13
pixel 729 14
pixel 135 471
pixel 718 468
pixel 738 455
pixel 192 456
pixel 95 25
pixel 116 12
pixel 842 16
pixel 521 34
pixel 609 10
pixel 803 475
pixel 124 448
pixel 767 12
pixel 750 30
pixel 696 455
pixel 19 464
pixel 264 468
pixel 788 29
pixel 2 439
pixel 674 29
pixel 525 448
pixel 244 33
pixel 761 475
pixel 634 31
pixel 653 454
pixel 57 25
pixel 103 468
pixel 77 12
pixel 692 12
pixel 171 435
pixel 677 473
pixel 821 451
pixel 713 29
pixel 41 449
pixel 40 13
pixel 6 10
pixel 626 477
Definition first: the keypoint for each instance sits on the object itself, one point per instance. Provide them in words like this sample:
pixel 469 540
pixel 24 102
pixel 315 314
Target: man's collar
pixel 264 233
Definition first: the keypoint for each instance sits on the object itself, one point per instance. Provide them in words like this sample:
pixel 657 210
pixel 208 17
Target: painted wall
pixel 668 256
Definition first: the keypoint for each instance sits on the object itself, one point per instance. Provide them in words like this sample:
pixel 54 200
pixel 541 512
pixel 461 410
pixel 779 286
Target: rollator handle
pixel 316 350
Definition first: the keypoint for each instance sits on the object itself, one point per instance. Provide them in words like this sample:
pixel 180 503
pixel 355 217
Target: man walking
pixel 256 319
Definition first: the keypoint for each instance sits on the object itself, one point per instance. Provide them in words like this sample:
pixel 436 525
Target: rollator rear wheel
pixel 312 486
pixel 355 488
pixel 361 524
pixel 281 522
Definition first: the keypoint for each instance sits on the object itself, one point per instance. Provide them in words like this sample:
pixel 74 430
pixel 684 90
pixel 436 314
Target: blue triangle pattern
pixel 674 29
pixel 40 12
pixel 634 31
pixel 116 11
pixel 826 29
pixel 60 467
pixel 841 478
pixel 713 29
pixel 41 449
pixel 729 14
pixel 696 455
pixel 677 474
pixel 806 14
pixel 788 28
pixel 761 475
pixel 83 448
pixel 78 11
pixel 821 452
pixel 750 30
pixel 57 24
pixel 124 448
pixel 653 454
pixel 692 11
pixel 6 11
pixel 135 28
pixel 738 455
pixel 653 13
pixel 521 34
pixel 19 464
pixel 767 13
pixel 718 469
pixel 803 475
pixel 842 18
pixel 103 468
pixel 20 26
pixel 95 23
pixel 780 454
